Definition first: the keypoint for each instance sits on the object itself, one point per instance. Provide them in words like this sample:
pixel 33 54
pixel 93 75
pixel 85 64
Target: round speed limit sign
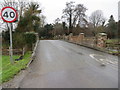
pixel 9 14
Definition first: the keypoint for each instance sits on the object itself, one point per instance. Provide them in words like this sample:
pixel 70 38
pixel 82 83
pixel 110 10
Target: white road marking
pixel 92 55
pixel 104 61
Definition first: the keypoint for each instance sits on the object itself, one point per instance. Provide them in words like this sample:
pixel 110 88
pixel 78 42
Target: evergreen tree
pixel 112 28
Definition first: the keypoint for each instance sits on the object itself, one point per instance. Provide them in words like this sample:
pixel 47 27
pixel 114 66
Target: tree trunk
pixel 70 24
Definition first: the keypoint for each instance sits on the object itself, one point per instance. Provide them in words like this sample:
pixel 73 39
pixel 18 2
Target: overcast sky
pixel 52 9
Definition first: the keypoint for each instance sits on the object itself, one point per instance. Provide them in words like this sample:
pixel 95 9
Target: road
pixel 60 64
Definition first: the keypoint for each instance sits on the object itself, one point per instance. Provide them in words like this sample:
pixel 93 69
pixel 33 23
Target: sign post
pixel 11 50
pixel 9 15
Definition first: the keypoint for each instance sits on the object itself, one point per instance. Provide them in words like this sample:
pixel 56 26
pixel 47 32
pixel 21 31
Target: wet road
pixel 59 64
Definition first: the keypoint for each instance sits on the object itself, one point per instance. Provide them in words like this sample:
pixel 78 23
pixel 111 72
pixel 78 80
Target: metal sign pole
pixel 9 14
pixel 11 51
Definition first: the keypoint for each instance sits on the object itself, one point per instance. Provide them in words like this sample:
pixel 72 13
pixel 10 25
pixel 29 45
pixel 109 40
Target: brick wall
pixel 90 41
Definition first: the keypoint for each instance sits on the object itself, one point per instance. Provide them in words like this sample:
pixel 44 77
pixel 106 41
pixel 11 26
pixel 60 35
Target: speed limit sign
pixel 9 14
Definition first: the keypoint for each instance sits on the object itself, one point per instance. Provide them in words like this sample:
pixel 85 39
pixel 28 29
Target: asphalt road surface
pixel 60 64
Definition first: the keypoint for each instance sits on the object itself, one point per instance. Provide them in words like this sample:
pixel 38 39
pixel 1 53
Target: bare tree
pixel 10 3
pixel 68 13
pixel 42 20
pixel 97 18
pixel 79 16
pixel 57 20
pixel 58 27
pixel 97 21
pixel 75 15
pixel 22 6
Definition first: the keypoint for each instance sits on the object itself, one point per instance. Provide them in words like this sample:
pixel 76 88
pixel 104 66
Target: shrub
pixel 30 39
pixel 18 40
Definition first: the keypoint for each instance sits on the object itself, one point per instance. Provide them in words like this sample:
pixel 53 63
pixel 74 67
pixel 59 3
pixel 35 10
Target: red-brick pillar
pixel 80 37
pixel 101 40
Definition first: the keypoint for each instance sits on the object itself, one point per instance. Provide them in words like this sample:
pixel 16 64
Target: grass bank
pixel 9 70
pixel 112 40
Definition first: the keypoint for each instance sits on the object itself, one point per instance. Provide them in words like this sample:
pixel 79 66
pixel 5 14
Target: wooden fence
pixel 15 51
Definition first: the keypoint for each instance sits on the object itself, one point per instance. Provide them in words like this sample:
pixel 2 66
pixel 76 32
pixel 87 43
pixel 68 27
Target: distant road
pixel 59 64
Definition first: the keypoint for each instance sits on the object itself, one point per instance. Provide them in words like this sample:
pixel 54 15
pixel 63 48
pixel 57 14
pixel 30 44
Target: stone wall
pixel 101 40
pixel 98 41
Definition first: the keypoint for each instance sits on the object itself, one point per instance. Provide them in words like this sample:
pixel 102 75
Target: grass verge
pixel 113 41
pixel 9 70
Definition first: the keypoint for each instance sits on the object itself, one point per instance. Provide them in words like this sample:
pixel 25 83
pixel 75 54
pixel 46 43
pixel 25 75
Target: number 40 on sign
pixel 9 14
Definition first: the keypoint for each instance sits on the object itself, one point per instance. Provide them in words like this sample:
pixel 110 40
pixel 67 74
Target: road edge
pixel 33 54
pixel 21 74
pixel 98 49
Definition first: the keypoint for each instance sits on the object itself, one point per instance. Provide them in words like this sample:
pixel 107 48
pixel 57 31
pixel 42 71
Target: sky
pixel 52 9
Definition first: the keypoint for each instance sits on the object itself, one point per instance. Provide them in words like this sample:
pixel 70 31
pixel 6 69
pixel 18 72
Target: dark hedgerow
pixel 30 39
